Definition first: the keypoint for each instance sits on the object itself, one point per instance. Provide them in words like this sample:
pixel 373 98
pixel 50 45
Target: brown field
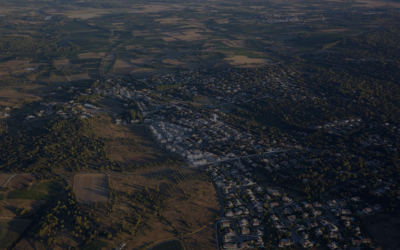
pixel 10 230
pixel 89 55
pixel 169 20
pixel 385 230
pixel 4 178
pixel 91 188
pixel 141 60
pixel 122 64
pixel 244 61
pixel 191 206
pixel 58 79
pixel 79 77
pixel 128 144
pixel 188 35
pixel 21 181
pixel 60 64
pixel 123 67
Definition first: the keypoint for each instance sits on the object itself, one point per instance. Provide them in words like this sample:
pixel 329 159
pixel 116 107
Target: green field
pixel 26 195
pixel 47 187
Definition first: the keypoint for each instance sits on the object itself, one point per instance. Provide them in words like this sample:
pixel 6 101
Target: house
pixel 317 204
pixel 332 245
pixel 244 222
pixel 356 199
pixel 312 224
pixel 230 246
pixel 291 217
pixel 345 211
pixel 245 230
pixel 285 243
pixel 256 222
pixel 332 227
pixel 307 205
pixel 367 210
pixel 273 204
pixel 274 217
pixel 318 232
pixel 259 232
pixel 306 244
pixel 226 224
pixel 316 213
pixel 279 224
pixel 230 231
pixel 332 203
pixel 229 214
pixel 304 235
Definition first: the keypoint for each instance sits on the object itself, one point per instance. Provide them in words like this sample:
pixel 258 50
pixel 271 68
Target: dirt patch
pixel 91 188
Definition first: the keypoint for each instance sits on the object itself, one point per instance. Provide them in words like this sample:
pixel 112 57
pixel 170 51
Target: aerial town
pixel 252 215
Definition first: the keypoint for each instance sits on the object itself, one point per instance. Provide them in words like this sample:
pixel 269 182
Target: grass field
pixel 26 195
pixel 91 188
pixel 47 187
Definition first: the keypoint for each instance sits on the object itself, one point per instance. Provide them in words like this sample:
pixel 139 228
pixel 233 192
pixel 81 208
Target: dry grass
pixel 21 181
pixel 91 188
pixel 190 206
pixel 128 144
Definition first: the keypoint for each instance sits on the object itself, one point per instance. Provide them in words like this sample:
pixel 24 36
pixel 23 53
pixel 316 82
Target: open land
pixel 91 188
